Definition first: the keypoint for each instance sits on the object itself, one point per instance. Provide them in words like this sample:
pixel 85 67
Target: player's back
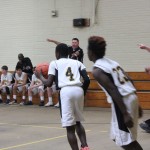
pixel 68 72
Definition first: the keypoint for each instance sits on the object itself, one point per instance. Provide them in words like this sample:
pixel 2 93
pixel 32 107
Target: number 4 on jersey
pixel 69 74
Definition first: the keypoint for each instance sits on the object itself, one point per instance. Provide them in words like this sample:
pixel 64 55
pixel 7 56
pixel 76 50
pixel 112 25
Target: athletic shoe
pixel 41 103
pixel 7 101
pixel 49 104
pixel 13 102
pixel 29 103
pixel 85 148
pixel 1 101
pixel 57 105
pixel 145 127
pixel 22 103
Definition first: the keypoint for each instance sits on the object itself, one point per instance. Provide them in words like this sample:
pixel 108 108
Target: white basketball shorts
pixel 72 101
pixel 119 131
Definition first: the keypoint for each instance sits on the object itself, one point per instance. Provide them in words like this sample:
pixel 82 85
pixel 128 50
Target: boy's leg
pixel 24 93
pixel 30 93
pixel 8 95
pixel 15 88
pixel 72 139
pixel 41 93
pixel 81 134
pixel 1 101
pixel 49 93
pixel 133 146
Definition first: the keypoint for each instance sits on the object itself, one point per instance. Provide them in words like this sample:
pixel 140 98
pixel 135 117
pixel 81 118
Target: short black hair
pixel 4 68
pixel 75 39
pixel 62 49
pixel 97 45
pixel 19 67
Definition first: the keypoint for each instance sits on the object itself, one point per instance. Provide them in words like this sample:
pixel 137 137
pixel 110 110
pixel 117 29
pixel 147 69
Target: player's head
pixel 4 69
pixel 96 48
pixel 75 43
pixel 19 69
pixel 61 51
pixel 20 57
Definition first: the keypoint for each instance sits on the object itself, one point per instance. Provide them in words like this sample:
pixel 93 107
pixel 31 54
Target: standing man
pixel 26 65
pixel 75 52
pixel 5 85
pixel 67 73
pixel 121 94
pixel 146 124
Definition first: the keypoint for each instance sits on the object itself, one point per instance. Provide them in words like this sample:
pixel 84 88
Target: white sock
pixel 30 98
pixel 50 99
pixel 23 97
pixel 42 98
pixel 8 97
pixel 0 97
pixel 14 97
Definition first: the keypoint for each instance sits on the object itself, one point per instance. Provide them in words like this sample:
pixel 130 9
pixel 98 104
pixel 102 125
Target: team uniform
pixel 37 82
pixel 67 74
pixel 6 79
pixel 119 131
pixel 20 81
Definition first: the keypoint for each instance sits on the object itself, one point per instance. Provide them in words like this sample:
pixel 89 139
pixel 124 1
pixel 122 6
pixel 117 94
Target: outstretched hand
pixel 50 40
pixel 142 46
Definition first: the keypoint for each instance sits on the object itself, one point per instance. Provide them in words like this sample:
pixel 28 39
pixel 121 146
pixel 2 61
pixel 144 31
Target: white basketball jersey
pixel 6 78
pixel 124 85
pixel 67 71
pixel 35 80
pixel 20 78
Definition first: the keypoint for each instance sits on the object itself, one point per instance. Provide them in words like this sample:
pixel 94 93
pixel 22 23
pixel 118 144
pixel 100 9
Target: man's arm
pixel 48 82
pixel 141 46
pixel 112 90
pixel 86 79
pixel 53 41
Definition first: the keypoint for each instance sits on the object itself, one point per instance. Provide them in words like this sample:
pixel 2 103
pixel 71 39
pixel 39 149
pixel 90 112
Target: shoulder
pixel 27 59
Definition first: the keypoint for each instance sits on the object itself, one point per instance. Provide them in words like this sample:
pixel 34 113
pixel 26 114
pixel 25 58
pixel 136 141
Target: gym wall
pixel 26 24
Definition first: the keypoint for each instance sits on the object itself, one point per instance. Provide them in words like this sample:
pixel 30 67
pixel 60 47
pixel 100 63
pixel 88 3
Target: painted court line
pixel 34 126
pixel 35 142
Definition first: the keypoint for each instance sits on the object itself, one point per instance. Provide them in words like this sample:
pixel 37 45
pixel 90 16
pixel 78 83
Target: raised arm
pixel 53 41
pixel 141 46
pixel 112 90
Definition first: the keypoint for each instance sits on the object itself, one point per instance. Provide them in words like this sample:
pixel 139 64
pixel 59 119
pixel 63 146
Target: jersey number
pixel 121 76
pixel 69 74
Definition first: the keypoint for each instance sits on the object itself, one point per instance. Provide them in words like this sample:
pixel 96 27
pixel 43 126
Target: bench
pixel 95 97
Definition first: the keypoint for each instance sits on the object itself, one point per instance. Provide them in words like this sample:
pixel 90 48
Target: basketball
pixel 43 67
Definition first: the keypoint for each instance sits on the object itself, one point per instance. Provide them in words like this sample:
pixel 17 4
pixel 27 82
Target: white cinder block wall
pixel 25 25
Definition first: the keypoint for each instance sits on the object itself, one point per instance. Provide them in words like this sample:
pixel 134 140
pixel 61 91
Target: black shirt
pixel 71 51
pixel 27 66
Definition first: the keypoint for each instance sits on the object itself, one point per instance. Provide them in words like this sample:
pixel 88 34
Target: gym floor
pixel 38 128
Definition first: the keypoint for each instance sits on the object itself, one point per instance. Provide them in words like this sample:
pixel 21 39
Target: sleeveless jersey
pixel 6 78
pixel 67 72
pixel 20 78
pixel 124 85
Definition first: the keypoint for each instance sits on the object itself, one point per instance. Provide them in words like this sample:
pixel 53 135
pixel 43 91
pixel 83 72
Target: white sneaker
pixel 57 105
pixel 49 104
pixel 22 103
pixel 13 102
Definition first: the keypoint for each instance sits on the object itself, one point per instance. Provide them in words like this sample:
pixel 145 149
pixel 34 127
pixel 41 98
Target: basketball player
pixel 146 124
pixel 5 85
pixel 68 72
pixel 120 92
pixel 20 85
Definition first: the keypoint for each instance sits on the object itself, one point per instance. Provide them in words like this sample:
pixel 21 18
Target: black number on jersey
pixel 122 78
pixel 69 74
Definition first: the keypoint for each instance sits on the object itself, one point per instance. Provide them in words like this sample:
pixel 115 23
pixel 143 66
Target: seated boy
pixel 20 85
pixel 5 85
